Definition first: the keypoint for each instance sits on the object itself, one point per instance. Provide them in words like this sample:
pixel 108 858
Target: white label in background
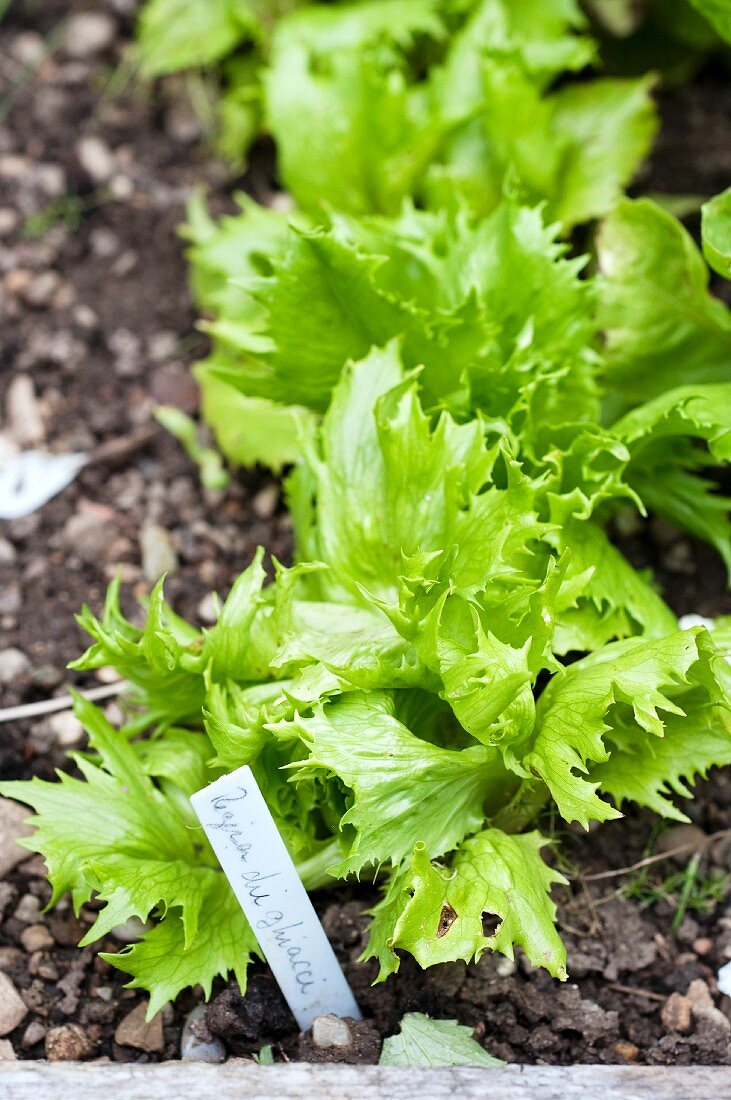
pixel 264 879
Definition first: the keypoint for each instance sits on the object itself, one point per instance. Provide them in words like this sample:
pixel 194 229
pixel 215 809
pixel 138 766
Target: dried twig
pixel 690 846
pixel 633 991
pixel 61 702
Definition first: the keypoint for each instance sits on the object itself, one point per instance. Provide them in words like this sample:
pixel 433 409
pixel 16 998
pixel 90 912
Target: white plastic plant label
pixel 724 979
pixel 30 479
pixel 242 832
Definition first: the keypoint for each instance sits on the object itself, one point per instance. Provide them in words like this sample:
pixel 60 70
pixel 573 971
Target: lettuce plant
pixel 459 647
pixel 374 101
pixel 623 370
pixel 406 694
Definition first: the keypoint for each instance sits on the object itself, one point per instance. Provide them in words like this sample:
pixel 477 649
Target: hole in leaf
pixel 447 917
pixel 490 924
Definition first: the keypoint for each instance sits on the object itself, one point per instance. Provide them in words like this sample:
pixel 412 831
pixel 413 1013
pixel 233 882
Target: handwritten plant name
pixel 284 936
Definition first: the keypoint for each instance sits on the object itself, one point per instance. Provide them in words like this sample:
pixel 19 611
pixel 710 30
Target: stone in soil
pixel 13 664
pixel 66 729
pixel 36 937
pixel 331 1031
pixel 676 1013
pixel 88 33
pixel 13 1009
pixel 13 827
pixel 340 1040
pixel 197 1043
pixel 158 552
pixel 138 1032
pixel 69 1043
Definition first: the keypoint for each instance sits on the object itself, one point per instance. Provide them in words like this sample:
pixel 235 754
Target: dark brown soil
pixel 96 314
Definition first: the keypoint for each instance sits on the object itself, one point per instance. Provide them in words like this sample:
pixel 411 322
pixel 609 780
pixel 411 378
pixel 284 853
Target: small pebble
pixel 13 819
pixel 158 552
pixel 96 158
pixel 13 664
pixel 687 621
pixel 197 1043
pixel 136 1031
pixel 66 728
pixel 10 957
pixel 331 1031
pixel 686 838
pixel 50 179
pixel 40 292
pixel 625 1050
pixel 24 413
pixel 28 910
pixel 676 1013
pixel 69 1043
pixel 131 931
pixel 88 33
pixel 33 1034
pixel 36 937
pixel 265 502
pixel 207 609
pixel 8 552
pixel 28 48
pixel 162 345
pixel 12 1008
pixel 11 599
pixel 8 221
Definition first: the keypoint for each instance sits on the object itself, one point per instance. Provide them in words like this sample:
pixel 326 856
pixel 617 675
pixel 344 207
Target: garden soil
pixel 97 327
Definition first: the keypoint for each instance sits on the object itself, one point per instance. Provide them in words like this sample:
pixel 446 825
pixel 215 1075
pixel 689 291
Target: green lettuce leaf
pixel 426 1042
pixel 117 834
pixel 405 790
pixel 661 437
pixel 716 230
pixel 436 911
pixel 185 34
pixel 161 963
pixel 718 15
pixel 575 712
pixel 663 329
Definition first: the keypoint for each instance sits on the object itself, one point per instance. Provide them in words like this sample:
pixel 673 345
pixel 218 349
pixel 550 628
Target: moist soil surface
pixel 98 328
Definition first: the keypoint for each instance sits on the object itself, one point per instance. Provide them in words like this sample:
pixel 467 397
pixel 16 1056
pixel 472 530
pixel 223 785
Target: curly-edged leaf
pixel 354 129
pixel 613 601
pixel 134 888
pixel 573 713
pixel 162 964
pixel 306 338
pixel 114 809
pixel 251 430
pixel 426 1042
pixel 717 13
pixel 385 483
pixel 405 790
pixel 663 328
pixel 716 228
pixel 650 771
pixel 162 660
pixel 185 34
pixel 436 911
pixel 611 125
pixel 660 436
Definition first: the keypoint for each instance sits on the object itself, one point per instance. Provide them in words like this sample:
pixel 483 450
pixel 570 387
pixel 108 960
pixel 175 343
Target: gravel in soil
pixel 98 327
